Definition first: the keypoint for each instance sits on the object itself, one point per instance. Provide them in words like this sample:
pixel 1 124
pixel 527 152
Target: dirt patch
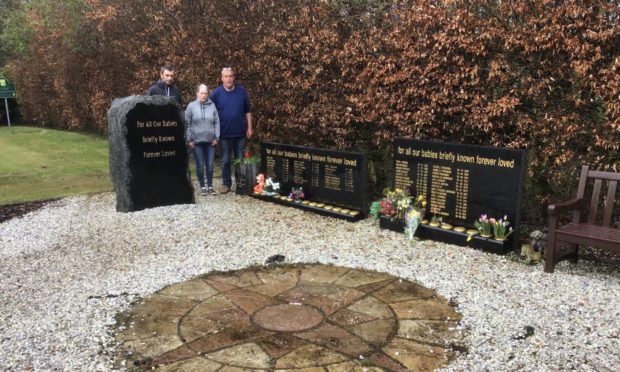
pixel 10 211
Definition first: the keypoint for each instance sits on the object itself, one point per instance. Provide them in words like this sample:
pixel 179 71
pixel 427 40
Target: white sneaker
pixel 203 191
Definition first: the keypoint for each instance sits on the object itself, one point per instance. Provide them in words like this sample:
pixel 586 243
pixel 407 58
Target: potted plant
pixel 483 225
pixel 501 229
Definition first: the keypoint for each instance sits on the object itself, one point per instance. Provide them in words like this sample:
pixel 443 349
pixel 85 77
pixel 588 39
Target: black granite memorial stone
pixel 246 178
pixel 148 156
pixel 337 178
pixel 462 182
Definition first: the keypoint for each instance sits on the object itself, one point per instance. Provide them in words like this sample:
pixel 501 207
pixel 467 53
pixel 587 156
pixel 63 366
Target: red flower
pixel 247 154
pixel 387 209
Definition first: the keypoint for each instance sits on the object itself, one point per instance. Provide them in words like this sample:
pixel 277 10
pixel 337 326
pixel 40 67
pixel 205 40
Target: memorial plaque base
pixel 305 207
pixel 450 236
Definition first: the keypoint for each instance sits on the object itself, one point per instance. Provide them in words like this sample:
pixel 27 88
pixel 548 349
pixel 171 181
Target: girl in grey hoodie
pixel 202 135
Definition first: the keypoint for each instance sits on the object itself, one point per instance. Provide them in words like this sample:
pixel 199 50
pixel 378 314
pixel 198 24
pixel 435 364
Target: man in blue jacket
pixel 233 107
pixel 165 86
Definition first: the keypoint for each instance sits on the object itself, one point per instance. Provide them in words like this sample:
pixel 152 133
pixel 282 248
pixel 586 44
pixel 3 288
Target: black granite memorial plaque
pixel 148 156
pixel 336 178
pixel 241 184
pixel 462 182
pixel 246 178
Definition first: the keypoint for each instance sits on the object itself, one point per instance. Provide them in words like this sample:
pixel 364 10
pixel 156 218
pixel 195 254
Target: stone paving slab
pixel 302 318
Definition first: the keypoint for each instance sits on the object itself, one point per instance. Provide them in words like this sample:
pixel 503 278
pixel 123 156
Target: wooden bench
pixel 595 230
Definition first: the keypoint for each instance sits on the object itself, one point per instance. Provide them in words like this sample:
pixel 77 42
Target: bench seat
pixel 585 233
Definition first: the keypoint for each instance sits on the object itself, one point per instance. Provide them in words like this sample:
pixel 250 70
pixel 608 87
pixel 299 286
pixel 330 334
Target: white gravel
pixel 66 270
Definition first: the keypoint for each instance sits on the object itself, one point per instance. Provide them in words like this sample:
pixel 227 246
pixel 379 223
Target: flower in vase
pixel 483 224
pixel 501 228
pixel 297 194
pixel 247 158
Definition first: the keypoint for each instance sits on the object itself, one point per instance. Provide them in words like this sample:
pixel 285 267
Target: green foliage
pixel 16 33
pixel 40 164
pixel 68 17
pixel 483 225
pixel 254 159
pixel 375 209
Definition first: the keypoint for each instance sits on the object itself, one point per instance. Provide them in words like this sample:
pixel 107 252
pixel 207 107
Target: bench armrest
pixel 569 205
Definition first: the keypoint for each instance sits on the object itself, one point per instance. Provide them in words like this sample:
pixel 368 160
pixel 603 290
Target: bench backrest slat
pixel 581 189
pixel 609 202
pixel 608 176
pixel 596 194
pixel 600 178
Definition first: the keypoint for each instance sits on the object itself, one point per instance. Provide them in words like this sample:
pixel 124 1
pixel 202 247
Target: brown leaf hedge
pixel 540 75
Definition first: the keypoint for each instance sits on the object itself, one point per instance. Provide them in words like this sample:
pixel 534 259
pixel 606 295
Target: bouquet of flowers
pixel 297 194
pixel 271 187
pixel 395 204
pixel 413 216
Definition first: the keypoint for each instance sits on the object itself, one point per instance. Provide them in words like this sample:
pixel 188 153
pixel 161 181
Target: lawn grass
pixel 42 164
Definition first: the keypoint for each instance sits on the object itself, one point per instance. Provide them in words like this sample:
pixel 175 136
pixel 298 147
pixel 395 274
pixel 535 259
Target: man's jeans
pixel 204 151
pixel 235 145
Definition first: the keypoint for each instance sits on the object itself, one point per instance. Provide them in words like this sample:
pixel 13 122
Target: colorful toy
pixel 260 184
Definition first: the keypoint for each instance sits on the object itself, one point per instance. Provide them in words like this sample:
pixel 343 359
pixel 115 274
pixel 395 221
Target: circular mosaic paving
pixel 308 317
pixel 293 317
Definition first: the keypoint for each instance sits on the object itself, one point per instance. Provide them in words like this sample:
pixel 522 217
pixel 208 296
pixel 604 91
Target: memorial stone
pixel 148 157
pixel 334 177
pixel 246 178
pixel 462 182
